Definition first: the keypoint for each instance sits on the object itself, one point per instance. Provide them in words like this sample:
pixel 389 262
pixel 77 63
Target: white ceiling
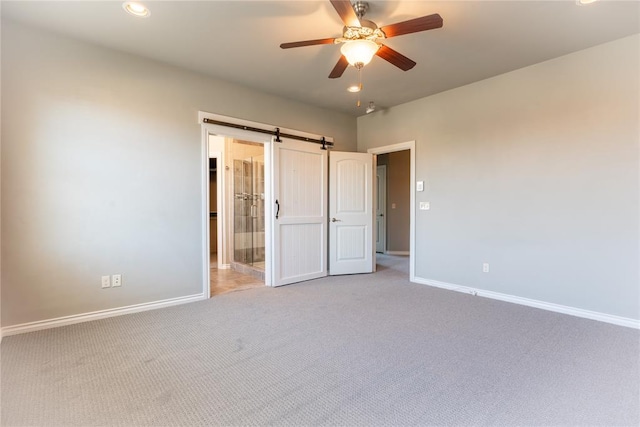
pixel 238 41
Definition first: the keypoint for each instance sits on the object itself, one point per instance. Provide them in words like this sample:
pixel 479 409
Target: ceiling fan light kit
pixel 359 52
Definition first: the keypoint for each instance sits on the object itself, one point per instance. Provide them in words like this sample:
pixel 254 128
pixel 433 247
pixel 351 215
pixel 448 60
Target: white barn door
pixel 299 212
pixel 350 213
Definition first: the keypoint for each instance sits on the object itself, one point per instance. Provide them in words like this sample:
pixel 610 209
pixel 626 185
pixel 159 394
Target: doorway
pixel 248 208
pixel 236 190
pixel 399 203
pixel 296 203
pixel 393 203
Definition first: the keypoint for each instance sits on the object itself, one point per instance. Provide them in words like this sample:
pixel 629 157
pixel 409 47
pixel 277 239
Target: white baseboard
pixel 578 312
pixel 406 253
pixel 95 315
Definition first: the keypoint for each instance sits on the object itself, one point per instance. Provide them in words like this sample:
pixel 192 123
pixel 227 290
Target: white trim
pixel 95 315
pixel 411 146
pixel 268 213
pixel 205 210
pixel 221 248
pixel 572 311
pixel 402 253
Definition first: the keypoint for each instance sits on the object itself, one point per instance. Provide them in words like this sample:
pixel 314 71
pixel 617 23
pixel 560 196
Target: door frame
pixel 411 146
pixel 380 195
pixel 241 134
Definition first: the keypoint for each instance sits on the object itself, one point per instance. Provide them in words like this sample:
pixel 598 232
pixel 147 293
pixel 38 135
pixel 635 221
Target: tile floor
pixel 227 280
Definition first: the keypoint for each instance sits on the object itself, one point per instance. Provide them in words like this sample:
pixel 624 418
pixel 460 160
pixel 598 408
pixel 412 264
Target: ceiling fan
pixel 361 38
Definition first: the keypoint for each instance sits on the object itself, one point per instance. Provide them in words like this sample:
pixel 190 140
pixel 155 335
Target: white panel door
pixel 350 213
pixel 381 209
pixel 299 212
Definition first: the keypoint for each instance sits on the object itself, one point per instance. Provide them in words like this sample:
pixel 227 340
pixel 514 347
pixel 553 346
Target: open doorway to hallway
pixel 394 197
pixel 395 204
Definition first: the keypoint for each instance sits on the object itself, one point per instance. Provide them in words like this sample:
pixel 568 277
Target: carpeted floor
pixel 350 350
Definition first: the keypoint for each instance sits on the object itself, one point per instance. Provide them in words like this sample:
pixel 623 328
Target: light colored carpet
pixel 351 350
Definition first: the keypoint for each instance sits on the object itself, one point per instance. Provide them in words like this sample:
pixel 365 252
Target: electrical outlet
pixel 485 267
pixel 116 280
pixel 106 281
pixel 425 206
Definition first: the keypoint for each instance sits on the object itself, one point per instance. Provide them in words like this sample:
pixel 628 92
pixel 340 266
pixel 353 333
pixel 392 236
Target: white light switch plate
pixel 420 186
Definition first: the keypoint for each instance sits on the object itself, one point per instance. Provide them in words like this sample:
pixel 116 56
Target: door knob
pixel 335 220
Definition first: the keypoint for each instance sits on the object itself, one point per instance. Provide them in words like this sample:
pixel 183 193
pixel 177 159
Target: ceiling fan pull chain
pixel 359 85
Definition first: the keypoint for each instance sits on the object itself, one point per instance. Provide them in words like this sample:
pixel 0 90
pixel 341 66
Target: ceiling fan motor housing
pixel 360 7
pixel 367 31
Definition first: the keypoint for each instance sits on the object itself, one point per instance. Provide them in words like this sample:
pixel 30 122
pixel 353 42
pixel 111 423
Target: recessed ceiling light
pixel 136 9
pixel 583 2
pixel 354 88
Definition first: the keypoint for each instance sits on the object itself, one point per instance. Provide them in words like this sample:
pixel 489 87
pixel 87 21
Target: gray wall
pixel 101 172
pixel 535 172
pixel 398 194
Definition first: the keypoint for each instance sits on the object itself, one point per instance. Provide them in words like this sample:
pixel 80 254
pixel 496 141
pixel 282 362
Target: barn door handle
pixel 277 208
